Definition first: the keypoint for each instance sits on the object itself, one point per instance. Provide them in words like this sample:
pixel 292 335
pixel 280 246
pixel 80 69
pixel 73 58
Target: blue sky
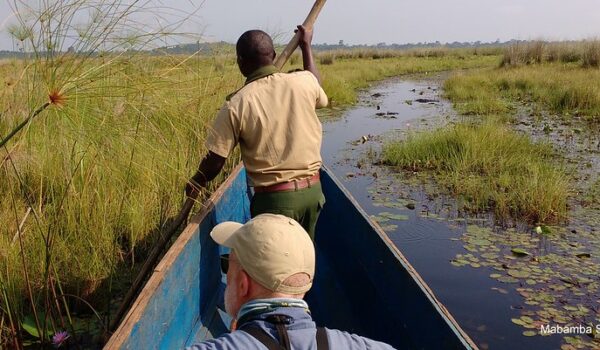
pixel 374 21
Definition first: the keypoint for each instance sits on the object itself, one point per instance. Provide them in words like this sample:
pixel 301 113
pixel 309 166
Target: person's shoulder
pixel 344 340
pixel 299 74
pixel 230 341
pixel 301 78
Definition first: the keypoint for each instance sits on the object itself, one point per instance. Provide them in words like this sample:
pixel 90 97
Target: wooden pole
pixel 293 44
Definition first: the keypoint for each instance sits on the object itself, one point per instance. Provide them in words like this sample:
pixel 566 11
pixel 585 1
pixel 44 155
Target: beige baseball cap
pixel 270 248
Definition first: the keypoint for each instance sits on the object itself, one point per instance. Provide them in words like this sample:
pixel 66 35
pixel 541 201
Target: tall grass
pixel 103 173
pixel 490 167
pixel 87 136
pixel 560 89
pixel 591 54
pixel 586 53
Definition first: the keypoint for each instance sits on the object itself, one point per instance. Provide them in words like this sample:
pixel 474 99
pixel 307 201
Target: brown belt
pixel 293 185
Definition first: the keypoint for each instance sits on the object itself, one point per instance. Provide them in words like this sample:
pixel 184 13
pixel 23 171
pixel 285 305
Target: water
pixel 482 306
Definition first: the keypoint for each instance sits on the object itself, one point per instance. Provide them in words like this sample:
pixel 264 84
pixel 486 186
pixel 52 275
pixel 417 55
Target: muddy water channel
pixel 502 283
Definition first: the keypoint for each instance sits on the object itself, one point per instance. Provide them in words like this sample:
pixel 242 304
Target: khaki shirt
pixel 274 121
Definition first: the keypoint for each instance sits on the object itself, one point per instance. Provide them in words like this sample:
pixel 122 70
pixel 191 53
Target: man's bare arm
pixel 307 56
pixel 209 168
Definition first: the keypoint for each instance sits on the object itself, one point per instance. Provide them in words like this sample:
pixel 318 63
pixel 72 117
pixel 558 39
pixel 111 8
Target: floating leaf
pixel 380 218
pixel 527 319
pixel 480 242
pixel 529 333
pixel 508 279
pixel 518 321
pixel 520 252
pixel 490 256
pixel 518 273
pixel 389 227
pixel 399 217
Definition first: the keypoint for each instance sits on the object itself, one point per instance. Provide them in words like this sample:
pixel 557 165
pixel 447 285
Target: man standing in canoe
pixel 270 268
pixel 273 119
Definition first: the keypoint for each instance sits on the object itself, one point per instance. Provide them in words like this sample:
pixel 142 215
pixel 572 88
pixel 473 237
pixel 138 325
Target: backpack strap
pixel 322 341
pixel 280 323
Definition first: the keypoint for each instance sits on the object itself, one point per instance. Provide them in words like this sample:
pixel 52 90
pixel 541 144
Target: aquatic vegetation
pixel 60 338
pixel 555 274
pixel 562 89
pixel 490 167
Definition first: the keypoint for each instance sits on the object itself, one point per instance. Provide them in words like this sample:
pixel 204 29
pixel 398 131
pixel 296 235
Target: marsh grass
pixel 106 170
pixel 82 157
pixel 489 166
pixel 586 53
pixel 591 54
pixel 566 90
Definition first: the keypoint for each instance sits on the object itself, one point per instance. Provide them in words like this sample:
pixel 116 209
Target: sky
pixel 368 21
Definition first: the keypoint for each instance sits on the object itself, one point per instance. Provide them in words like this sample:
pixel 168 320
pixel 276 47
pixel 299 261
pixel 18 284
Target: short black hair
pixel 254 45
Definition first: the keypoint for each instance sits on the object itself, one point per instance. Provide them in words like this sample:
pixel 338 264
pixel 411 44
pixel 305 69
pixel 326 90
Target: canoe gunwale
pixel 134 314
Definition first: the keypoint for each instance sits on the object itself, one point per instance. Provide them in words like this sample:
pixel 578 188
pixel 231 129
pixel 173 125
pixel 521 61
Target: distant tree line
pixel 225 47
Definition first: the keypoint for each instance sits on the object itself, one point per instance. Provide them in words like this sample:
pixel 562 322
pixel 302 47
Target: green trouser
pixel 303 205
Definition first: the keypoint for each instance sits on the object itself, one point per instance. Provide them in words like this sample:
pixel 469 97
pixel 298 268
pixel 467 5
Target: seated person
pixel 270 268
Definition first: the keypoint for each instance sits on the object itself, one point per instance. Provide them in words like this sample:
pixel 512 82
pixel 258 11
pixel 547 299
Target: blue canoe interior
pixel 363 284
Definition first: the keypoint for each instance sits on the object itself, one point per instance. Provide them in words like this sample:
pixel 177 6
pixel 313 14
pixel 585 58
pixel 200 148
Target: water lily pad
pixel 391 216
pixel 480 242
pixel 529 333
pixel 518 273
pixel 380 218
pixel 490 256
pixel 520 252
pixel 518 321
pixel 399 217
pixel 389 227
pixel 527 319
pixel 508 279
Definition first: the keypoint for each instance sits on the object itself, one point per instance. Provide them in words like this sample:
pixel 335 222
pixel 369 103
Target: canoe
pixel 363 284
